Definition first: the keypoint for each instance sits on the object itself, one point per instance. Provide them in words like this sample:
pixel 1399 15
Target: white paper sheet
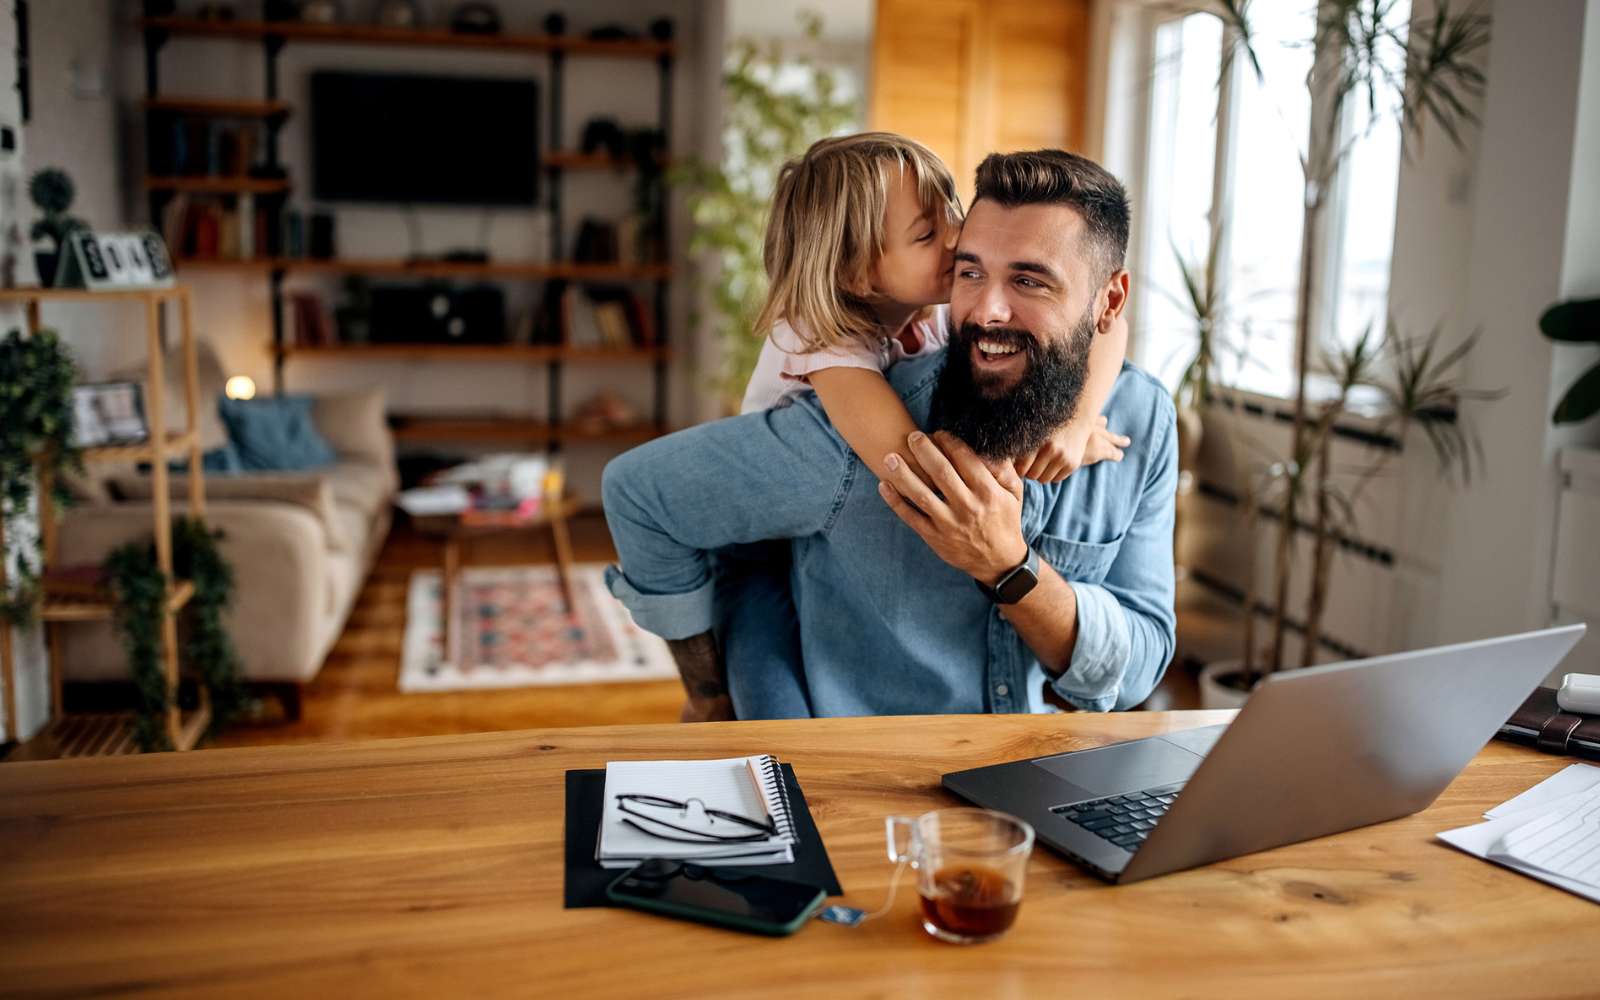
pixel 1564 840
pixel 1570 780
pixel 1554 793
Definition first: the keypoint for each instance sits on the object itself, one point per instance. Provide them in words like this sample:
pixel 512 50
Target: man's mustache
pixel 971 333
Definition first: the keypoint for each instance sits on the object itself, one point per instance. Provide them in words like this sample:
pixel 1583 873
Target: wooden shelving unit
pixel 273 111
pixel 530 271
pixel 103 734
pixel 586 161
pixel 372 34
pixel 210 108
pixel 147 451
pixel 67 735
pixel 530 353
pixel 101 606
pixel 202 184
pixel 512 430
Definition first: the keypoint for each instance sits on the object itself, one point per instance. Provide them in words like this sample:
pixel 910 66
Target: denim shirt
pixel 886 626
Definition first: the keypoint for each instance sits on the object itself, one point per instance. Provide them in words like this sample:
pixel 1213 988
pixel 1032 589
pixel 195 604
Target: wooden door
pixel 972 77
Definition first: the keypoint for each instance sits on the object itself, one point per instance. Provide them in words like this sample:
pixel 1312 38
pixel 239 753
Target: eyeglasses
pixel 631 803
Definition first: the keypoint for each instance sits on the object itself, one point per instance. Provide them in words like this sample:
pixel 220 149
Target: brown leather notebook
pixel 1541 723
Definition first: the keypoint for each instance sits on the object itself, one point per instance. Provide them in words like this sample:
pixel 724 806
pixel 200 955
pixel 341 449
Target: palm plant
pixel 1202 303
pixel 1361 54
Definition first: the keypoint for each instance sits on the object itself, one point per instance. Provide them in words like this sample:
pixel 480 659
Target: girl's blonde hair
pixel 825 232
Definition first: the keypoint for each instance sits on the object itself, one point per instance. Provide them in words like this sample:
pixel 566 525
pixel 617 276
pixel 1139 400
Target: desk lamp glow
pixel 240 387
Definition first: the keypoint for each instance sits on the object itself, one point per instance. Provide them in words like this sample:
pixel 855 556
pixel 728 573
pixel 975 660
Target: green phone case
pixel 714 917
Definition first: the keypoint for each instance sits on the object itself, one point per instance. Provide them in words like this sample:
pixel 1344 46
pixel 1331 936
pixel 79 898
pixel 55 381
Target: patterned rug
pixel 514 633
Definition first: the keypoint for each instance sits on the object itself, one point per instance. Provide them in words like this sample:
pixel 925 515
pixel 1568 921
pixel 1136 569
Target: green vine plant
pixel 139 590
pixel 36 429
pixel 778 104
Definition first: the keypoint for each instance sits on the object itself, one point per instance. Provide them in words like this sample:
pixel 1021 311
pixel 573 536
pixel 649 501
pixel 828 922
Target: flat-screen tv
pixel 430 139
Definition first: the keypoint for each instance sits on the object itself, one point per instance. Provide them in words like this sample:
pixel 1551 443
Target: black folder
pixel 586 881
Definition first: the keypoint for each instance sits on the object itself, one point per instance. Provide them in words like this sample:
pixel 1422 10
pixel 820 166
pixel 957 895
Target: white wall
pixel 1533 243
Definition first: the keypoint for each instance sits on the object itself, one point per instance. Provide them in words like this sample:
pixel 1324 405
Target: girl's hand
pixel 1070 449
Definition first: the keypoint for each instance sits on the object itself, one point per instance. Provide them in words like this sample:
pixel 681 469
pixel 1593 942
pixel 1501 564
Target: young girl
pixel 859 258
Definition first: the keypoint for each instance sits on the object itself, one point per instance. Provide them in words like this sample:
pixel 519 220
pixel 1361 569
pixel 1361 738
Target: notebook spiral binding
pixel 772 771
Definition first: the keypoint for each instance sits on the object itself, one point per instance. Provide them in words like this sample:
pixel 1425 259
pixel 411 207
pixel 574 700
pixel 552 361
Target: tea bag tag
pixel 844 916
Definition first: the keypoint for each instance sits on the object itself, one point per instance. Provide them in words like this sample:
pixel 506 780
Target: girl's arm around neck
pixel 868 413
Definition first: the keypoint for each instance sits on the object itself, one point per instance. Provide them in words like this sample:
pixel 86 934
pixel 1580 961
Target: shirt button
pixel 1001 690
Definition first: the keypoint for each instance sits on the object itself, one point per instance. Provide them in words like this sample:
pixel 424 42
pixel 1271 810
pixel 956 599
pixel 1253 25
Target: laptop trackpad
pixel 1127 767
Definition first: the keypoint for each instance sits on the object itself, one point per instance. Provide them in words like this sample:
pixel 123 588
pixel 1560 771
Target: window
pixel 1222 163
pixel 1363 210
pixel 1178 185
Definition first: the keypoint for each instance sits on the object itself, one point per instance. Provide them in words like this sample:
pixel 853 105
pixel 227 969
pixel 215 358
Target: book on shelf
pixel 246 214
pixel 606 317
pixel 640 321
pixel 207 227
pixel 612 319
pixel 197 146
pixel 583 329
pixel 311 326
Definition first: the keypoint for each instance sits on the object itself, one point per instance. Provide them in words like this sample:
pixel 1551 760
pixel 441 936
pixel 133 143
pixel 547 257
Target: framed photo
pixel 108 413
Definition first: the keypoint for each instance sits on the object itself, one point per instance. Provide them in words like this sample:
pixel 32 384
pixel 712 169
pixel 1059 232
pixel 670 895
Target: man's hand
pixel 1070 449
pixel 974 522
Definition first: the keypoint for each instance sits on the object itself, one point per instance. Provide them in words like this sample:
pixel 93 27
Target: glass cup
pixel 970 864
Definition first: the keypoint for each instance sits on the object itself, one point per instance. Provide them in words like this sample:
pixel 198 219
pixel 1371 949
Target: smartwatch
pixel 1015 584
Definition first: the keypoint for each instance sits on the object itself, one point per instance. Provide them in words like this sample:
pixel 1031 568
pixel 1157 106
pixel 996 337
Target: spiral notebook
pixel 752 787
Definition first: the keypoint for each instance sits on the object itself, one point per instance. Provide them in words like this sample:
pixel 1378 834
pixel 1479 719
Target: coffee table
pixel 453 529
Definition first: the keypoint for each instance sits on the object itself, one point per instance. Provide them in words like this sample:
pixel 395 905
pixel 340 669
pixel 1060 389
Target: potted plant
pixel 52 191
pixel 765 124
pixel 1357 51
pixel 1417 387
pixel 1576 322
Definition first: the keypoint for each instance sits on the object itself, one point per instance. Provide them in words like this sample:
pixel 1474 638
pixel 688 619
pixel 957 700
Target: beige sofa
pixel 300 543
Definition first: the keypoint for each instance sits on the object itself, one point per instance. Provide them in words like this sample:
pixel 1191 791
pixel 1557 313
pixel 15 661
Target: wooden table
pixel 456 528
pixel 434 866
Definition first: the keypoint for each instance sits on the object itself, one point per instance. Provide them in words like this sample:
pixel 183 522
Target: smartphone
pixel 755 903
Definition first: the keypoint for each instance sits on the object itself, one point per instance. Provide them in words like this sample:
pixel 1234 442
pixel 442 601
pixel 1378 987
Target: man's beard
pixel 1004 424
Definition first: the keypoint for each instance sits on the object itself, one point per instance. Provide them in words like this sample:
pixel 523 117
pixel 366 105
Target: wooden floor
pixel 356 695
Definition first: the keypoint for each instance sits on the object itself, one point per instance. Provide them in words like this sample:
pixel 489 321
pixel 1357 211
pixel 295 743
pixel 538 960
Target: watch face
pixel 1016 586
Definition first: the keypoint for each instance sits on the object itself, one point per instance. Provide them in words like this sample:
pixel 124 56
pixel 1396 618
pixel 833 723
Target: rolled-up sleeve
pixel 776 474
pixel 1127 628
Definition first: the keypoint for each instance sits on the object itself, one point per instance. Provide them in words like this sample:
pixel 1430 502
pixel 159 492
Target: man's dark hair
pixel 1057 177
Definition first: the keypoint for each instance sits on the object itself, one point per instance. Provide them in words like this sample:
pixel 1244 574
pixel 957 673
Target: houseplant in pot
pixel 52 191
pixel 1405 386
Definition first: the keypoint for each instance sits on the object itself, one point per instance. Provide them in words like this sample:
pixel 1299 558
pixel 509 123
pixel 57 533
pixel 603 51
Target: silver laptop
pixel 1313 752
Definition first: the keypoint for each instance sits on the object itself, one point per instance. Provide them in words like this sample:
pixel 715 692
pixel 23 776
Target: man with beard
pixel 973 591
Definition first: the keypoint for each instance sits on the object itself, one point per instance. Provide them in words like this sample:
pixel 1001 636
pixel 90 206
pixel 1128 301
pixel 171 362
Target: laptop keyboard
pixel 1124 820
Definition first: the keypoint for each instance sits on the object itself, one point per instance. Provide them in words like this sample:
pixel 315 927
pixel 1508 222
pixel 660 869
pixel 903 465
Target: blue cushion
pixel 276 433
